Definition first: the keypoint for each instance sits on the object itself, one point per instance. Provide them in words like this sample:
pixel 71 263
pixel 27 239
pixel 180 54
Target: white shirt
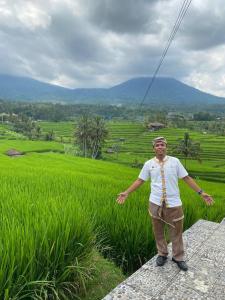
pixel 164 180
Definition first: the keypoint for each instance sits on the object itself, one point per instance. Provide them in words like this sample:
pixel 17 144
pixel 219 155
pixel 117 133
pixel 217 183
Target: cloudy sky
pixel 100 43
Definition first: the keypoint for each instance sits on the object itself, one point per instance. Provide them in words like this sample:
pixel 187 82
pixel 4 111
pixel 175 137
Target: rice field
pixel 63 131
pixel 134 143
pixel 137 140
pixel 57 209
pixel 26 146
pixel 7 134
pixel 43 242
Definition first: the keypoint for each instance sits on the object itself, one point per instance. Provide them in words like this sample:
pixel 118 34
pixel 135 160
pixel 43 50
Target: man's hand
pixel 122 197
pixel 207 198
pixel 135 185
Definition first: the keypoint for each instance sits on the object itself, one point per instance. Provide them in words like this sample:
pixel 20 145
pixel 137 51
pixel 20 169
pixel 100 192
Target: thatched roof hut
pixel 13 152
pixel 155 126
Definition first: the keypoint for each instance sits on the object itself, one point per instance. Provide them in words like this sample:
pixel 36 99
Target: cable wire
pixel 176 26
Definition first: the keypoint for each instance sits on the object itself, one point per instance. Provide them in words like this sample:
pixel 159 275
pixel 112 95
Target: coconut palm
pixel 82 134
pixel 187 148
pixel 90 135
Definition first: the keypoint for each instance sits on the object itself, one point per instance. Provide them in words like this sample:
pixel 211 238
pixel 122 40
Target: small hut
pixel 155 126
pixel 110 150
pixel 13 153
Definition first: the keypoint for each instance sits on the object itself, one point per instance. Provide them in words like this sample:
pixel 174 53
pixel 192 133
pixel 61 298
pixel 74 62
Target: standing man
pixel 165 203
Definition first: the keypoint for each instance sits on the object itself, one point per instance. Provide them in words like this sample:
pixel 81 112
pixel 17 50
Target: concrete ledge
pixel 205 279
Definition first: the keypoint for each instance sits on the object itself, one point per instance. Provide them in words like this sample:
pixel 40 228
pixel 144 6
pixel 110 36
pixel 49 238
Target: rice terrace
pixel 58 211
pixel 97 97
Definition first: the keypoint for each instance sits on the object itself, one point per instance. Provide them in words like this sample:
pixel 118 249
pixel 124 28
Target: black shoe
pixel 181 264
pixel 160 260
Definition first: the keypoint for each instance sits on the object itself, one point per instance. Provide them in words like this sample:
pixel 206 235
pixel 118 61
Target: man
pixel 165 203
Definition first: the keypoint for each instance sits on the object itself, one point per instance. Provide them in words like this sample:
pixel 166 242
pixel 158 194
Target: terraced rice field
pixel 135 145
pixel 61 130
pixel 26 146
pixel 7 134
pixel 56 209
pixel 138 140
pixel 135 141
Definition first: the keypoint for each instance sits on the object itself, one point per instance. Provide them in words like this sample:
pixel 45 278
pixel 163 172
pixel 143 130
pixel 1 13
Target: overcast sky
pixel 100 43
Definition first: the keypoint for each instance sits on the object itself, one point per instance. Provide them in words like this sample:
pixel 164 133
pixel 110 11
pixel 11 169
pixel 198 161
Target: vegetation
pixel 105 277
pixel 45 242
pixel 136 148
pixel 90 135
pixel 26 126
pixel 58 211
pixel 55 207
pixel 26 146
pixel 216 127
pixel 57 112
pixel 129 144
pixel 203 116
pixel 187 148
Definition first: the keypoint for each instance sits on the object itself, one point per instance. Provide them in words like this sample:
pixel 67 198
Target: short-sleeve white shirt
pixel 172 171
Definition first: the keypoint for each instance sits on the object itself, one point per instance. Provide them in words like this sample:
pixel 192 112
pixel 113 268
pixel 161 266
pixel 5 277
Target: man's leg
pixel 177 240
pixel 158 230
pixel 175 217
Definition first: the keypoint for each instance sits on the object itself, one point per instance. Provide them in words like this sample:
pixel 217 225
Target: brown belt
pixel 159 217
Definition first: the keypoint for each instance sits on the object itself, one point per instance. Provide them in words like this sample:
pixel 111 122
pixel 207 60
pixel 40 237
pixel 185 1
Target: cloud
pixel 204 25
pixel 100 43
pixel 127 16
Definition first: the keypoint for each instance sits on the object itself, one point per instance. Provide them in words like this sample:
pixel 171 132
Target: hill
pixel 165 91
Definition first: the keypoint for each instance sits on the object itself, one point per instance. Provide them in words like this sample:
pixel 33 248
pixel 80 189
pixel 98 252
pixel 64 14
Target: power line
pixel 176 26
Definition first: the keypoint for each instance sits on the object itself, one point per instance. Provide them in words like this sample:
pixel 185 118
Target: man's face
pixel 160 148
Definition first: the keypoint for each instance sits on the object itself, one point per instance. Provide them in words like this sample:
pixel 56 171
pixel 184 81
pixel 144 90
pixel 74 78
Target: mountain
pixel 164 91
pixel 27 89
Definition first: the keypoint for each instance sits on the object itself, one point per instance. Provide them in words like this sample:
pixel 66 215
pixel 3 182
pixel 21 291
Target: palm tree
pixel 82 134
pixel 187 148
pixel 98 136
pixel 90 135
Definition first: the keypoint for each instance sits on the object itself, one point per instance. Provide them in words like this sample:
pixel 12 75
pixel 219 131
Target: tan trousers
pixel 173 216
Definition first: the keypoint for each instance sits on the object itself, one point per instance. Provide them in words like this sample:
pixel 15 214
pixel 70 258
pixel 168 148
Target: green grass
pixel 7 134
pixel 26 146
pixel 64 131
pixel 45 242
pixel 138 140
pixel 55 210
pixel 137 148
pixel 105 277
pixel 57 185
pixel 135 145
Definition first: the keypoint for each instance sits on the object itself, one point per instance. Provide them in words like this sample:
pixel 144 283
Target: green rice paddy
pixel 134 144
pixel 57 209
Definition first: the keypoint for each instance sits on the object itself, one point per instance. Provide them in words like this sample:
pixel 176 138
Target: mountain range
pixel 164 91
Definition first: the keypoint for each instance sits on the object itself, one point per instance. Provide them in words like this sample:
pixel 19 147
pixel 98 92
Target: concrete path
pixel 205 279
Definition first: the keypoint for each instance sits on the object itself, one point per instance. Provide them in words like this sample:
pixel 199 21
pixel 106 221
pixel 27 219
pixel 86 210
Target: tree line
pixel 57 112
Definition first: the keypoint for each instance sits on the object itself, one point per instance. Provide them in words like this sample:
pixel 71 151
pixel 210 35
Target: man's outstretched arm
pixel 193 185
pixel 135 185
